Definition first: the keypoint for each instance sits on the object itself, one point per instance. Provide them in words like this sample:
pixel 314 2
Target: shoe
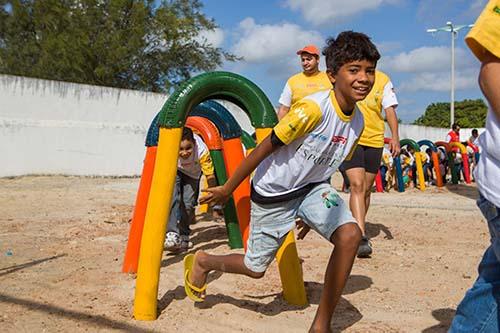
pixel 185 244
pixel 365 248
pixel 172 242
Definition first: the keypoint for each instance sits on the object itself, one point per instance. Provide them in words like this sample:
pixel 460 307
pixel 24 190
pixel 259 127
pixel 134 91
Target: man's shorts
pixel 364 157
pixel 322 209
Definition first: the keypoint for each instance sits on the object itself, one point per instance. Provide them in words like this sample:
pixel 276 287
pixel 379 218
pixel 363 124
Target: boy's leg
pixel 189 192
pixel 175 209
pixel 172 239
pixel 335 222
pixel 268 228
pixel 479 311
pixel 345 240
pixel 204 263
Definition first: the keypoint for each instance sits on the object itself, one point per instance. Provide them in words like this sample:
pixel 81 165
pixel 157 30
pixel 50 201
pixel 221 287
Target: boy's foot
pixel 197 277
pixel 172 242
pixel 365 248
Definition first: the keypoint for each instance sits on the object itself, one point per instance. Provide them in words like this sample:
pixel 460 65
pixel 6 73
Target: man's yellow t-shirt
pixel 485 35
pixel 301 85
pixel 380 97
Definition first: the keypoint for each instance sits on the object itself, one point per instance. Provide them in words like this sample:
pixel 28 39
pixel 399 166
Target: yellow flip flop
pixel 188 286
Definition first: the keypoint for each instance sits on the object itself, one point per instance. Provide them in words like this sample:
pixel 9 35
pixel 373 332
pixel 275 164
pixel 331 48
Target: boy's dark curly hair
pixel 349 46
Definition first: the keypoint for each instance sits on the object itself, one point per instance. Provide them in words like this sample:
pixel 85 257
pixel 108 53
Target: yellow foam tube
pixel 420 171
pixel 287 257
pixel 155 224
pixel 203 208
pixel 290 269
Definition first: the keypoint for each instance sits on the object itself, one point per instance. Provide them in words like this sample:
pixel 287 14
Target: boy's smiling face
pixel 353 82
pixel 186 149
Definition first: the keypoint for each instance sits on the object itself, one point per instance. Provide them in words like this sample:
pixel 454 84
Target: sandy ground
pixel 62 241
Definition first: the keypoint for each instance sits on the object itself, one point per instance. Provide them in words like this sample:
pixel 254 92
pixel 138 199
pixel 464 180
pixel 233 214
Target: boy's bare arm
pixel 392 121
pixel 489 80
pixel 220 194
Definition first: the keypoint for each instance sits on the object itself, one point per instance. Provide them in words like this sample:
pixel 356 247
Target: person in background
pixel 427 166
pixel 363 167
pixel 305 83
pixel 386 169
pixel 474 136
pixel 454 134
pixel 479 310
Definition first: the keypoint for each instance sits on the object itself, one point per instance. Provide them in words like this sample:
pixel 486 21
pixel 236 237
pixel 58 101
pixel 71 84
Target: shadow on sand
pixel 444 316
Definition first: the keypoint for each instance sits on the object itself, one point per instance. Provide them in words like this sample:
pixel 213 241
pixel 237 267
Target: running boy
pixel 294 164
pixel 194 157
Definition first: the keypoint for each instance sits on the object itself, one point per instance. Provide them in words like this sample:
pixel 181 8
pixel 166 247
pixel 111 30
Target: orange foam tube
pixel 233 156
pixel 435 162
pixel 131 260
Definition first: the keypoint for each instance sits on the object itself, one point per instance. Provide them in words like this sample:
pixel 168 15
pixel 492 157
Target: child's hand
pixel 303 228
pixel 214 196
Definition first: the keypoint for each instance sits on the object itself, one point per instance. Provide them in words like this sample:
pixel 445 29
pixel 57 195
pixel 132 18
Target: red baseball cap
pixel 311 49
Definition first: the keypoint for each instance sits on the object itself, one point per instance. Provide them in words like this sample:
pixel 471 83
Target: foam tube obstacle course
pixel 465 159
pixel 215 85
pixel 418 161
pixel 435 160
pixel 451 164
pixel 213 141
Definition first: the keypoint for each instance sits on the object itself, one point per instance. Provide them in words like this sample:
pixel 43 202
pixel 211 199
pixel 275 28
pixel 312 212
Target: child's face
pixel 353 81
pixel 186 149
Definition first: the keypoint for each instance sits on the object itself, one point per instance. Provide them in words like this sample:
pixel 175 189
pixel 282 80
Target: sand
pixel 62 242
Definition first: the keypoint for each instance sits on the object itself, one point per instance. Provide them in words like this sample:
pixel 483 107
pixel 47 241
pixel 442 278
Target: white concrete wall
pixel 434 134
pixel 51 127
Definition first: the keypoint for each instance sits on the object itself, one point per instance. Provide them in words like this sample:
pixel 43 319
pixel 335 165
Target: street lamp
pixel 453 29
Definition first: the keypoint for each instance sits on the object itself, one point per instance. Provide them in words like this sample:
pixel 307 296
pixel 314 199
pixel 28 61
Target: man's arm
pixel 392 121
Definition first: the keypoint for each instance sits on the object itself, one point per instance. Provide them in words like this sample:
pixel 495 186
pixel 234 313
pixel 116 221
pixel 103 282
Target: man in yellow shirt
pixel 305 83
pixel 362 168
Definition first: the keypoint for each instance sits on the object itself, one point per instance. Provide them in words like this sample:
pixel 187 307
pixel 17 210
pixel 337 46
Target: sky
pixel 267 34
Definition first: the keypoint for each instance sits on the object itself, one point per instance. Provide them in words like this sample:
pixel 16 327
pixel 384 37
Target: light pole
pixel 453 29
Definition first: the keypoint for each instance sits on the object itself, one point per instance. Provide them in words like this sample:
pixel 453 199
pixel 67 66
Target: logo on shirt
pixel 339 139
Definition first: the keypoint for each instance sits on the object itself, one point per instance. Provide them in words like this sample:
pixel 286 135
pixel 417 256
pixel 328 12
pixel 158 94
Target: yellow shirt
pixel 485 35
pixel 301 85
pixel 380 97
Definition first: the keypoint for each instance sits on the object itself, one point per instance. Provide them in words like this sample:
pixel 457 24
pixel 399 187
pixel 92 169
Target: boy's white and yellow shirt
pixel 318 136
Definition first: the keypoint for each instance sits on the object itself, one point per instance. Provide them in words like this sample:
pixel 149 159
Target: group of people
pixel 328 121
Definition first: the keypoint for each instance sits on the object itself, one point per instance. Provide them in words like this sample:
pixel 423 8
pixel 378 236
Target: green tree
pixel 468 114
pixel 135 44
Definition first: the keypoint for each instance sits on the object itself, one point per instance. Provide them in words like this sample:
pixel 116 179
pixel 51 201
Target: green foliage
pixel 468 114
pixel 133 44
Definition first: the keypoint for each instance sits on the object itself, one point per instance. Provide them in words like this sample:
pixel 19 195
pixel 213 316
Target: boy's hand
pixel 303 228
pixel 394 147
pixel 217 195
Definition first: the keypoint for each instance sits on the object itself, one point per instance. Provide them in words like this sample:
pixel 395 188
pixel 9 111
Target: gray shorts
pixel 322 209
